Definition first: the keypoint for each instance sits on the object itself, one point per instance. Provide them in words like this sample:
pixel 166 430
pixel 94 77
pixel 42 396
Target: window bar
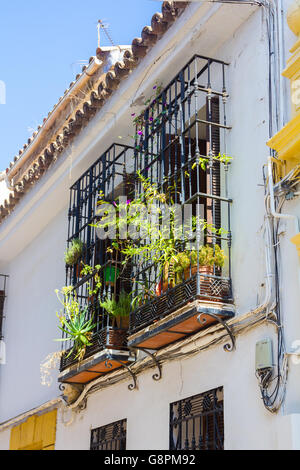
pixel 90 213
pixel 146 137
pixel 182 141
pixel 177 150
pixel 163 142
pixel 2 300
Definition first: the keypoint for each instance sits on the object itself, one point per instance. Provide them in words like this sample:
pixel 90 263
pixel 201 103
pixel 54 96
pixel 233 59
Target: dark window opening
pixel 197 423
pixel 109 437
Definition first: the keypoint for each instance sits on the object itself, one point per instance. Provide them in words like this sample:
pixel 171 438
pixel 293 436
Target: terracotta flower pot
pixel 117 338
pixel 123 322
pixel 189 272
pixel 78 269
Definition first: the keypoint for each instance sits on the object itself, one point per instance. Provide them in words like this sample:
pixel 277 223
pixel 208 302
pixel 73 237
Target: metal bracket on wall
pixel 202 320
pixel 157 375
pixel 108 365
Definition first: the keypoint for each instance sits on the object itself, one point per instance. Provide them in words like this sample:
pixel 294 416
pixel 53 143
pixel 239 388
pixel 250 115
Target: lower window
pixel 109 437
pixel 197 423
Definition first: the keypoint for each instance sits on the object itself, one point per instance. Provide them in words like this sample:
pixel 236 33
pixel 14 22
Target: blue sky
pixel 42 46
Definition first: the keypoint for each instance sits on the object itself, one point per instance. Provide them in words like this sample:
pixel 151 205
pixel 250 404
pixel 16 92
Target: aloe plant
pixel 79 330
pixel 73 322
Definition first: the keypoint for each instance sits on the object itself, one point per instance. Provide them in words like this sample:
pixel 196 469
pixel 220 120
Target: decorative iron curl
pixel 158 375
pixel 108 364
pixel 202 320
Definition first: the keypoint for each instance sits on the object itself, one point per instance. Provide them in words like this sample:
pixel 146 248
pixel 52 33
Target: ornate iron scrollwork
pixel 108 365
pixel 157 375
pixel 202 320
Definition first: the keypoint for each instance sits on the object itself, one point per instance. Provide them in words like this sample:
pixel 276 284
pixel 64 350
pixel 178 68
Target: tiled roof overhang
pixel 89 106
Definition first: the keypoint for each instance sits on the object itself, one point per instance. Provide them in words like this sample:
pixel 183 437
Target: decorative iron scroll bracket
pixel 158 375
pixel 202 320
pixel 108 365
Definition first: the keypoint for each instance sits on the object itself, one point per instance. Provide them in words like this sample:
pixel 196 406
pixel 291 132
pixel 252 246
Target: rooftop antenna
pixel 104 26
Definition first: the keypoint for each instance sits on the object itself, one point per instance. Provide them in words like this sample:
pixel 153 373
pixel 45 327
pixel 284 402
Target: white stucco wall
pixel 32 244
pixel 247 424
pixel 30 323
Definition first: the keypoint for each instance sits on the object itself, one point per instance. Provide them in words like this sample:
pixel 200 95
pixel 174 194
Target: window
pixel 180 140
pixel 109 437
pixel 105 176
pixel 197 423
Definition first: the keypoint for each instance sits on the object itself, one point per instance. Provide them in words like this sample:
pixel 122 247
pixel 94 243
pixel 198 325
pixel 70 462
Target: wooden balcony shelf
pixel 181 323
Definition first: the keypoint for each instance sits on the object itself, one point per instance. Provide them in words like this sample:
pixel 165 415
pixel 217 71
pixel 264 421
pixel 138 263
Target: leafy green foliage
pixel 94 283
pixel 73 322
pixel 120 308
pixel 157 243
pixel 203 161
pixel 74 252
pixel 207 256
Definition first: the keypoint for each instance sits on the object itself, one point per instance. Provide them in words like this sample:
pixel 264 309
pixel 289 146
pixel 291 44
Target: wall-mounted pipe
pixel 279 215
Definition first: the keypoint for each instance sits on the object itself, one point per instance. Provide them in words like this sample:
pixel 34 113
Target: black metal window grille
pixel 179 138
pixel 3 281
pixel 109 437
pixel 107 176
pixel 180 126
pixel 197 423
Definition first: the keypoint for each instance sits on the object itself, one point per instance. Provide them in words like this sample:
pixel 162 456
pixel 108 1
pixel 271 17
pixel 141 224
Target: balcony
pixel 107 350
pixel 184 284
pixel 179 141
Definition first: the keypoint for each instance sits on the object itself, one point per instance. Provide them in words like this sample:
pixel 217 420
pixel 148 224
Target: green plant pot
pixel 110 275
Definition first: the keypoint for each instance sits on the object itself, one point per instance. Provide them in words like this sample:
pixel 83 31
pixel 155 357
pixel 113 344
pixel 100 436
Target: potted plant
pixel 185 264
pixel 73 255
pixel 118 310
pixel 160 246
pixel 74 323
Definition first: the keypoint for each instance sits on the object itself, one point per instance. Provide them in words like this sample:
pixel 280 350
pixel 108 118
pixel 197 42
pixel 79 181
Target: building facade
pixel 198 110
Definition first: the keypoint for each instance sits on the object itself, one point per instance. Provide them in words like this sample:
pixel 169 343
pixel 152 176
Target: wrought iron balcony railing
pixel 181 145
pixel 180 148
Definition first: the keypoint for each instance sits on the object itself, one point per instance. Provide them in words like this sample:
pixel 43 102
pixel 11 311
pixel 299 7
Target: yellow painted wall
pixel 287 141
pixel 36 433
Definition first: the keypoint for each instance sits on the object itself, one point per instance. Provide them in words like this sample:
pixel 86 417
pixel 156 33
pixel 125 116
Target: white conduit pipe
pixel 278 215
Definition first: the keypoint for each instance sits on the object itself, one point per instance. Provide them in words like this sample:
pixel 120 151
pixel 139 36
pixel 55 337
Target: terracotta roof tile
pixel 96 98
